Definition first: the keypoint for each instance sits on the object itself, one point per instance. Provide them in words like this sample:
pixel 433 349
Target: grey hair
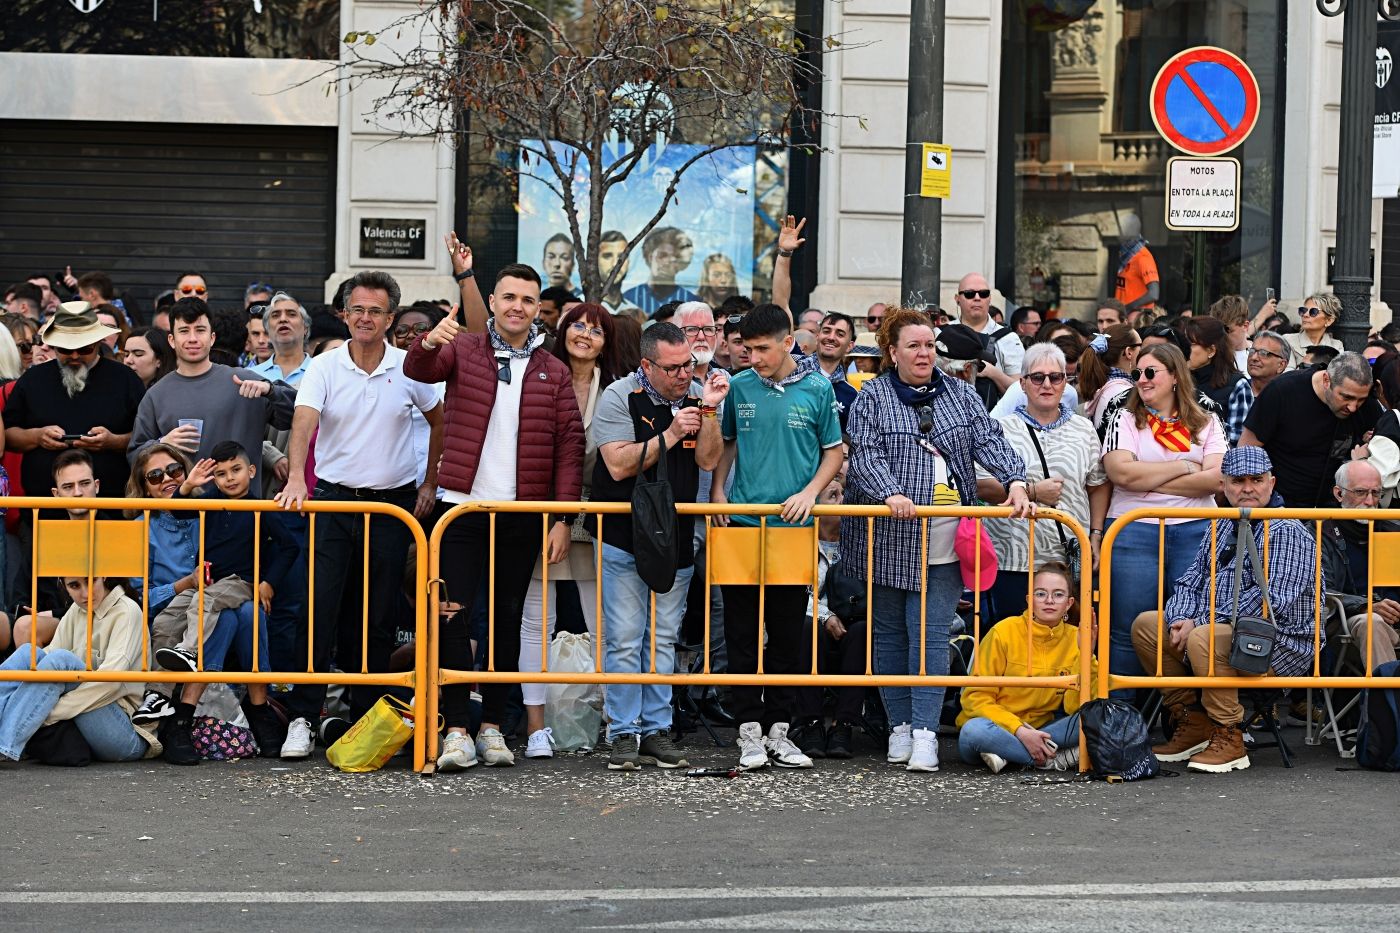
pixel 662 332
pixel 382 281
pixel 952 367
pixel 694 307
pixel 1277 338
pixel 1350 367
pixel 1038 353
pixel 283 296
pixel 1344 472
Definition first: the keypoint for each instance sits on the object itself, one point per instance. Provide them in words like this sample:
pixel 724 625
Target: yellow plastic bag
pixel 375 739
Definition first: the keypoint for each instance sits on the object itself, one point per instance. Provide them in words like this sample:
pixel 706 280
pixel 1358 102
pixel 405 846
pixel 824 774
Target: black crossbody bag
pixel 1253 637
pixel 1073 557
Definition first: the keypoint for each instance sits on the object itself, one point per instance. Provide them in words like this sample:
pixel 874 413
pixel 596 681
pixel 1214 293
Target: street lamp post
pixel 1351 278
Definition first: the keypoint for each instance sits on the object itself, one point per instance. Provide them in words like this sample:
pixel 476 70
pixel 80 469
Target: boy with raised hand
pixel 783 440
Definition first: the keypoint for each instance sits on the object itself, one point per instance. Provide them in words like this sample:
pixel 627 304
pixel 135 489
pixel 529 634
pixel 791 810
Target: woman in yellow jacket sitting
pixel 1027 725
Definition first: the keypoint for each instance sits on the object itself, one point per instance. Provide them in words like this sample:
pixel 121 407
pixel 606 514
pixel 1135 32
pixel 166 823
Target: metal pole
pixel 1198 274
pixel 1352 279
pixel 920 269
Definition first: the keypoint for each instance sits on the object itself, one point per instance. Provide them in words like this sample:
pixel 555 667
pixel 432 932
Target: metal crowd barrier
pixel 97 547
pixel 762 555
pixel 1383 570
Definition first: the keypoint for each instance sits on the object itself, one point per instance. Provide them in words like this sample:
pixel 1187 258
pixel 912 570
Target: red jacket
pixel 549 451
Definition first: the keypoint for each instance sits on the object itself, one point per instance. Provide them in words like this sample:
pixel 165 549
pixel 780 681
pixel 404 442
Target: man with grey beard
pixel 81 400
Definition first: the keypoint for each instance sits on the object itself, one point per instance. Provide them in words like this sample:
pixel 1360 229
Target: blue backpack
pixel 1117 741
pixel 1377 747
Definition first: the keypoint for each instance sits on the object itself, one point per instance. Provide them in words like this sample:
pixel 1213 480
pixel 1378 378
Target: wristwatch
pixel 464 275
pixel 786 253
pixel 1019 482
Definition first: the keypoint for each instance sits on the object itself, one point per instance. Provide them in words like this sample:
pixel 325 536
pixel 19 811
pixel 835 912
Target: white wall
pixel 863 174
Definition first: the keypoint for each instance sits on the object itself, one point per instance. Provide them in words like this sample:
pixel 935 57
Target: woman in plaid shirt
pixel 914 433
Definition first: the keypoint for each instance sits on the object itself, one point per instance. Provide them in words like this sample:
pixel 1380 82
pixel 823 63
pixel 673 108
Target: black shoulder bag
pixel 1073 557
pixel 1252 640
pixel 655 532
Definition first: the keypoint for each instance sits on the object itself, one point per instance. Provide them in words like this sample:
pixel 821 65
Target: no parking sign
pixel 1205 101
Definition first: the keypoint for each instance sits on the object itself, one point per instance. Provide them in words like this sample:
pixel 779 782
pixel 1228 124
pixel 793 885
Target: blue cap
pixel 1246 461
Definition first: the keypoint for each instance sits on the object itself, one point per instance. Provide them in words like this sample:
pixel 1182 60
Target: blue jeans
pixel 1135 573
pixel 895 637
pixel 235 631
pixel 25 705
pixel 982 735
pixel 638 708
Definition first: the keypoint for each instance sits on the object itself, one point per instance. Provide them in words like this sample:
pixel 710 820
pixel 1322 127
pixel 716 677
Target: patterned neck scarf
pixel 1065 413
pixel 915 396
pixel 806 364
pixel 656 397
pixel 1127 253
pixel 498 344
pixel 1170 433
pixel 1115 373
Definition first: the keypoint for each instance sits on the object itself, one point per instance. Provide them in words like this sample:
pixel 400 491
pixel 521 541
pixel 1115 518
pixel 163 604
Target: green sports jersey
pixel 780 435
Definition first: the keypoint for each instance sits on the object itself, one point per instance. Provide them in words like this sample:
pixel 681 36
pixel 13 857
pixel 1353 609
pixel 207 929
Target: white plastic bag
pixel 573 711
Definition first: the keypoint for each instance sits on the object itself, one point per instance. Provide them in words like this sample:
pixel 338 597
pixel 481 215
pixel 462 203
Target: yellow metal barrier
pixel 762 555
pixel 1384 570
pixel 94 547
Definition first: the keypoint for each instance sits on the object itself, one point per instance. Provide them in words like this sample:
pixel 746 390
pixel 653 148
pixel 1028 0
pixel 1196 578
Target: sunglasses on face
pixel 172 470
pixel 971 293
pixel 75 351
pixel 1040 378
pixel 25 346
pixel 193 290
pixel 1149 373
pixel 1309 312
pixel 405 330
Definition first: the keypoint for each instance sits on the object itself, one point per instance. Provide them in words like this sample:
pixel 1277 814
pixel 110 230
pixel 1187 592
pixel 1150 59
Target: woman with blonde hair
pixel 1163 451
pixel 1318 313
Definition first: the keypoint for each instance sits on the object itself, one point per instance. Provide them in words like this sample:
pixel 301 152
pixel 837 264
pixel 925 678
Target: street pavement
pixel 567 844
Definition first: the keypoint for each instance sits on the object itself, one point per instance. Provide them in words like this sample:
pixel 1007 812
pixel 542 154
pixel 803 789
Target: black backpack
pixel 1117 741
pixel 1377 747
pixel 655 532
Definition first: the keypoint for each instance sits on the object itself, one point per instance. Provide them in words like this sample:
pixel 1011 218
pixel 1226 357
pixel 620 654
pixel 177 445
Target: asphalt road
pixel 566 844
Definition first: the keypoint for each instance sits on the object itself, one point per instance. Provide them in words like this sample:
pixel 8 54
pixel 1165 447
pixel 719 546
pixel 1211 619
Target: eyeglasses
pixel 676 370
pixel 257 309
pixel 1260 351
pixel 1364 493
pixel 971 293
pixel 1309 312
pixel 193 290
pixel 593 330
pixel 358 311
pixel 172 470
pixel 405 330
pixel 874 320
pixel 1040 378
pixel 1150 373
pixel 25 346
pixel 1052 595
pixel 734 319
pixel 695 330
pixel 75 351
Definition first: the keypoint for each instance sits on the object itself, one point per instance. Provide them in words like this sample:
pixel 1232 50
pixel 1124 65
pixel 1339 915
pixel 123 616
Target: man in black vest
pixel 660 398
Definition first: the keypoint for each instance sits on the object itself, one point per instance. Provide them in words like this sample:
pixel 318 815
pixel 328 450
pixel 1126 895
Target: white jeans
pixel 530 628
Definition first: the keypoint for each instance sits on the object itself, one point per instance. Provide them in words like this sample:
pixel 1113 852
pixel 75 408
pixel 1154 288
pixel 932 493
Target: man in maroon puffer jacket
pixel 513 432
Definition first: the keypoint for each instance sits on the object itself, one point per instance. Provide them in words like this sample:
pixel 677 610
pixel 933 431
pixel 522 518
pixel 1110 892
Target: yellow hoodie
pixel 1054 653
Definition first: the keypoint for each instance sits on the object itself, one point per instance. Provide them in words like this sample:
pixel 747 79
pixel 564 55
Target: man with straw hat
pixel 80 400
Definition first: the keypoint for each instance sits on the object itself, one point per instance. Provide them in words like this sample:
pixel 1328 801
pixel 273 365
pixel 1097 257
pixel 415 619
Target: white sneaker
pixel 752 754
pixel 153 707
pixel 1066 759
pixel 924 755
pixel 901 745
pixel 458 753
pixel 782 751
pixel 993 762
pixel 491 748
pixel 541 744
pixel 299 742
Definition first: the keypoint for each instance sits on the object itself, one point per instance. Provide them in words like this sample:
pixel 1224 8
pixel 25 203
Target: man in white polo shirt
pixel 361 401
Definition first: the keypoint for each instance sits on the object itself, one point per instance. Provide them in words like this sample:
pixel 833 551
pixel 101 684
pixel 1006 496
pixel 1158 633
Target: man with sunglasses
pixel 514 434
pixel 192 285
pixel 974 301
pixel 1267 359
pixel 80 400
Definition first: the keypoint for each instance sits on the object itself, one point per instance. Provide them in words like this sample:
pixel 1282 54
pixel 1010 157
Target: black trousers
pixel 784 609
pixel 466 547
pixel 341 583
pixel 845 655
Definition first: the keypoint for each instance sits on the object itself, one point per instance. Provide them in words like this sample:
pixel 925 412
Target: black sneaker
pixel 332 728
pixel 658 749
pixel 177 659
pixel 177 738
pixel 268 731
pixel 154 707
pixel 839 741
pixel 810 737
pixel 625 756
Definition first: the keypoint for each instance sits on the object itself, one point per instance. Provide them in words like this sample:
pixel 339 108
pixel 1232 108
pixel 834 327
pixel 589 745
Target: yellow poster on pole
pixel 936 179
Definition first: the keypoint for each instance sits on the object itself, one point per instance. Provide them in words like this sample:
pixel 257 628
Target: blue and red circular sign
pixel 1205 101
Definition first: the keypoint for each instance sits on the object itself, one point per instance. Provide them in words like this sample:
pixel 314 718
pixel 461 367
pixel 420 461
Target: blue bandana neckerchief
pixel 656 397
pixel 914 396
pixel 1065 414
pixel 1126 255
pixel 502 349
pixel 806 365
pixel 1115 373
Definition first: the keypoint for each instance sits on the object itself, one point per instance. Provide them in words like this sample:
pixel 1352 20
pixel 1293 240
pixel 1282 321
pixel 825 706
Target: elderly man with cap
pixel 80 400
pixel 1206 723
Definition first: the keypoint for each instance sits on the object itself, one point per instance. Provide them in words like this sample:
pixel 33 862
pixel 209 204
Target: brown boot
pixel 1191 730
pixel 1224 753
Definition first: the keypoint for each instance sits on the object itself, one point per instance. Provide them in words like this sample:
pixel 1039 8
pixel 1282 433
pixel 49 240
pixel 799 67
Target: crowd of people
pixel 528 393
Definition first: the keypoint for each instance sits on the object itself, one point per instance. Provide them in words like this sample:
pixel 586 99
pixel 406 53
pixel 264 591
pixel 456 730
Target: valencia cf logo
pixel 85 6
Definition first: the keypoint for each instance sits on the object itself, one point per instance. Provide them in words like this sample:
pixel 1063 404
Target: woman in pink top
pixel 1162 451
